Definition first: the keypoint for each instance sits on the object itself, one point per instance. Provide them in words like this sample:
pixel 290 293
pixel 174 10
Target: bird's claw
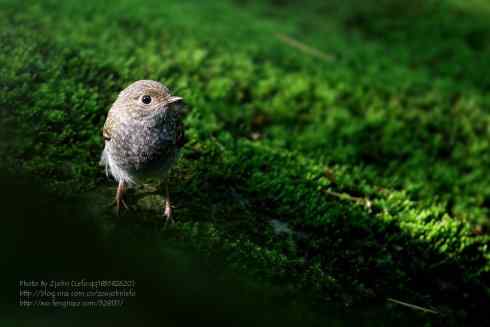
pixel 120 202
pixel 117 204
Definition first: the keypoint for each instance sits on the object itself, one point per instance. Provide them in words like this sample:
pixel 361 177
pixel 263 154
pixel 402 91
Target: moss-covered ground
pixel 370 138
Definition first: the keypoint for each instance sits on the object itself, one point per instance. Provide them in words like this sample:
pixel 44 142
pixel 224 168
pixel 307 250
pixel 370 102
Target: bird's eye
pixel 146 99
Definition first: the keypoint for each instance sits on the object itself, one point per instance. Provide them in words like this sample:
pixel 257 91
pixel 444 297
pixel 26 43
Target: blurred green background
pixel 363 125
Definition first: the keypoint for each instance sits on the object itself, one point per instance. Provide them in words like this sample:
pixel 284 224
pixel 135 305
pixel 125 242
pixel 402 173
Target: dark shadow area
pixel 48 238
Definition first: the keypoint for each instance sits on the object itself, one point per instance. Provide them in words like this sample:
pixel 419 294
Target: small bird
pixel 143 134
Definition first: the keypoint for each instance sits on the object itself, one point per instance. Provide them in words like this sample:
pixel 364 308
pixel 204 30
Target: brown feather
pixel 106 130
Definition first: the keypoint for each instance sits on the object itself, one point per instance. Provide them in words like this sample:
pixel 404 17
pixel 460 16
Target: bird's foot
pixel 117 205
pixel 168 213
pixel 121 190
pixel 120 203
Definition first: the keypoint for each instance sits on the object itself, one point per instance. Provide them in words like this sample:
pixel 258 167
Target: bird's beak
pixel 173 99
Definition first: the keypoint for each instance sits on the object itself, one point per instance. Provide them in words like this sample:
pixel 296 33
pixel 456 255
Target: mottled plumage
pixel 143 134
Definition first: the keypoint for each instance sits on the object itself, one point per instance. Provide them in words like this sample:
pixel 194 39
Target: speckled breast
pixel 145 148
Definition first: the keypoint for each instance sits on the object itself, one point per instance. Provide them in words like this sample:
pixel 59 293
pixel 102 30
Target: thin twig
pixel 303 47
pixel 344 196
pixel 437 264
pixel 412 306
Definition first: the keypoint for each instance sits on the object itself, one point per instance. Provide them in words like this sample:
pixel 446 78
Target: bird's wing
pixel 107 129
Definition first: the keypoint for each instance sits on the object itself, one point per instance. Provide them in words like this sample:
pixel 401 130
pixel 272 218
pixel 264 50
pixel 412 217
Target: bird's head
pixel 146 98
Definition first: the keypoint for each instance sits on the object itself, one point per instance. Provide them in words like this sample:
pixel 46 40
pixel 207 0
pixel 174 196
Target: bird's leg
pixel 167 206
pixel 121 189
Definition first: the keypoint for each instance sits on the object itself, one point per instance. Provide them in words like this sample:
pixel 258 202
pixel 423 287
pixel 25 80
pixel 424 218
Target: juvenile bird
pixel 143 134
